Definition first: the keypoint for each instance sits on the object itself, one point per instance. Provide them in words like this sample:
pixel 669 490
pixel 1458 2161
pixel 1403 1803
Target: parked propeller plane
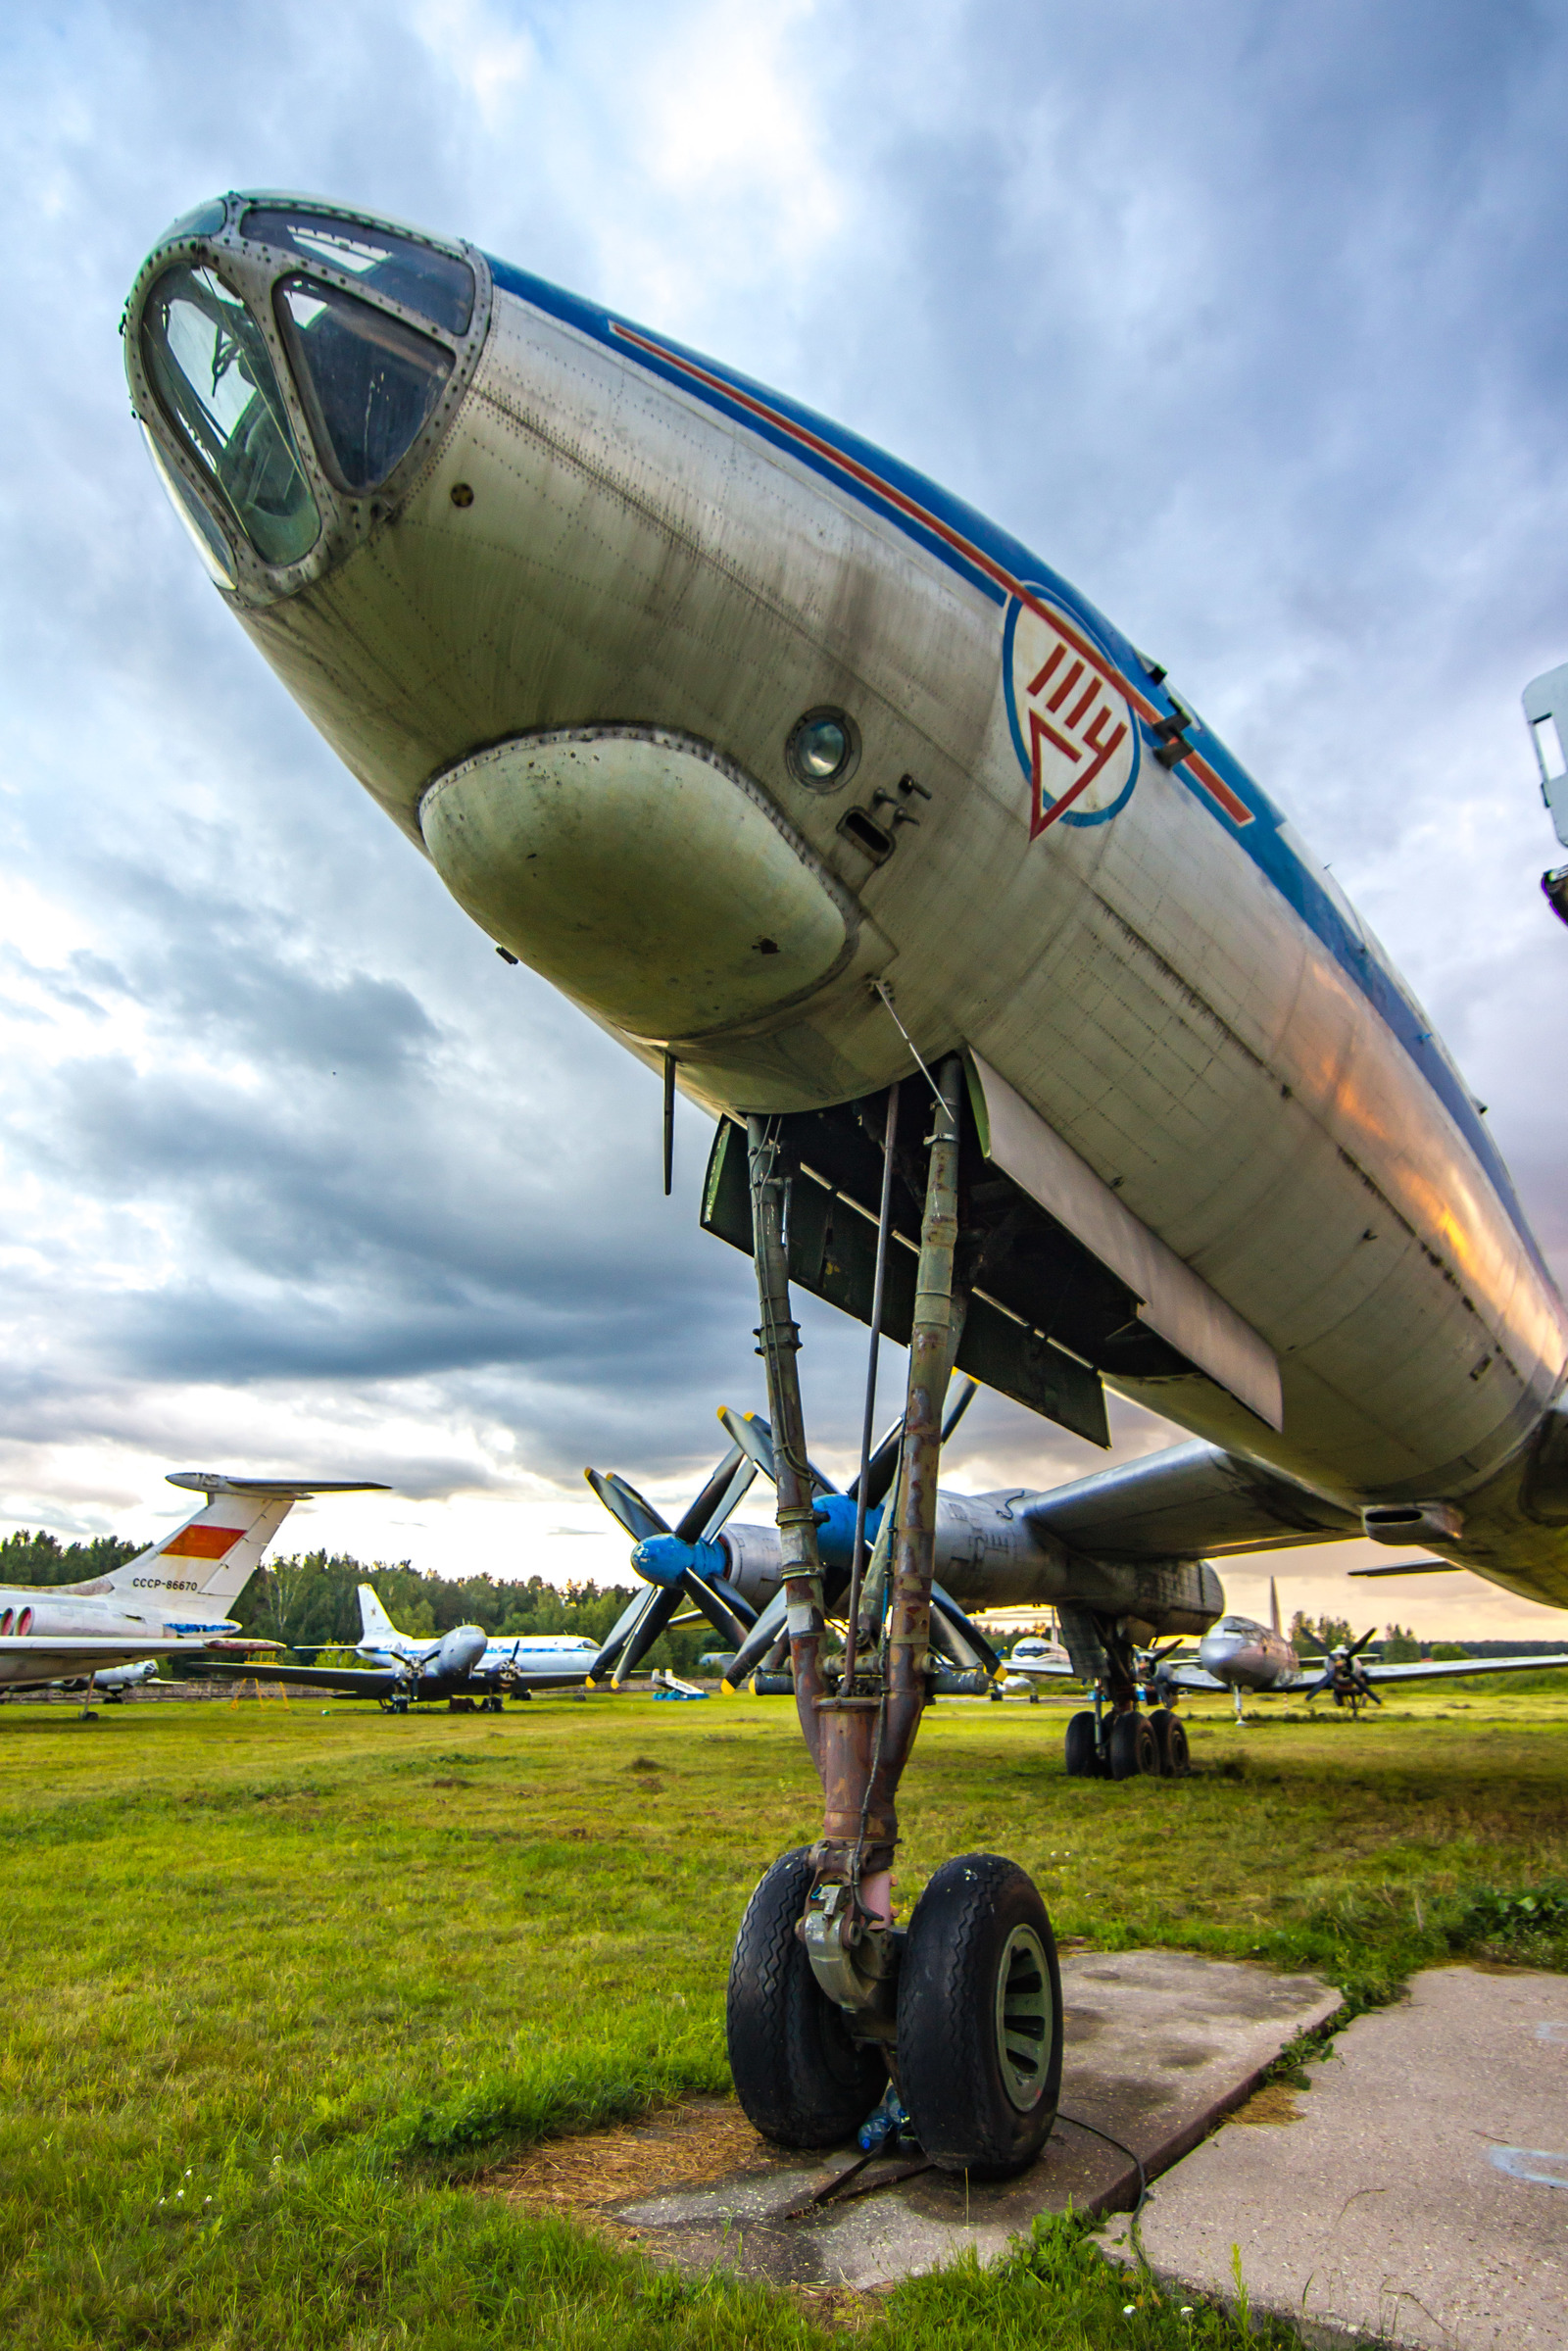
pixel 1253 1660
pixel 170 1601
pixel 1036 1036
pixel 465 1663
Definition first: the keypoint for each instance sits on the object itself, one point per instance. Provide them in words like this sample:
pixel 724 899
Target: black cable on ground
pixel 1135 2236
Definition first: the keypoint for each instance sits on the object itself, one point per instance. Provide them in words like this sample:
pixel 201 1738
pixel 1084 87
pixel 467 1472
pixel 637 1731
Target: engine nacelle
pixel 754 1557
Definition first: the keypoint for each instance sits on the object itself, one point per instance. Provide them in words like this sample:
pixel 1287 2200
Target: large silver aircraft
pixel 1036 1036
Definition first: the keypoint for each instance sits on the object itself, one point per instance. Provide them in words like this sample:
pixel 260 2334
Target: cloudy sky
pixel 1249 316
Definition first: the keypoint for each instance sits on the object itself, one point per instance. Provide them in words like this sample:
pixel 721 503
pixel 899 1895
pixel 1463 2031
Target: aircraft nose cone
pixel 1217 1650
pixel 642 873
pixel 462 1649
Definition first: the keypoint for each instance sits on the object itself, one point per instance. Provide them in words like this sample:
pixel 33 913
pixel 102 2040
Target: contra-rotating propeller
pixel 680 1563
pixel 965 1647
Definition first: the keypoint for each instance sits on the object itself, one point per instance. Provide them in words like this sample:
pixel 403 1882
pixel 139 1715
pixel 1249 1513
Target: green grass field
pixel 278 1983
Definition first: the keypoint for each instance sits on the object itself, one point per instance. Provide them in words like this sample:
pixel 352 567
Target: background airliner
pixel 170 1602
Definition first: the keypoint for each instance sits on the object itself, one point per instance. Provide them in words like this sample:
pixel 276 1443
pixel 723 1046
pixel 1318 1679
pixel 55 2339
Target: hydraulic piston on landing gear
pixel 827 1997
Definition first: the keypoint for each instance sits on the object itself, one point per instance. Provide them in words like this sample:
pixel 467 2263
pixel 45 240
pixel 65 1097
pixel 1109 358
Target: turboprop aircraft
pixel 516 1657
pixel 1035 1035
pixel 462 1664
pixel 1253 1660
pixel 170 1602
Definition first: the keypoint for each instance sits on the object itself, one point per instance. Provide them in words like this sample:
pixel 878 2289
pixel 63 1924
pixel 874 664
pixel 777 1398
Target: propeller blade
pixel 883 1466
pixel 1362 1644
pixel 715 1605
pixel 623 1503
pixel 881 1469
pixel 957 1637
pixel 659 1606
pixel 751 1432
pixel 616 1638
pixel 702 1520
pixel 759 1641
pixel 956 1412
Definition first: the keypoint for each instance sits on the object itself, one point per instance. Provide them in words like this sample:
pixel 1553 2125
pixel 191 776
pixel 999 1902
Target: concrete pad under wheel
pixel 1160 2045
pixel 1419 2192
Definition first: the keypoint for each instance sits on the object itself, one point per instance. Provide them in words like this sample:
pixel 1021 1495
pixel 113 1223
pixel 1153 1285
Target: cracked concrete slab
pixel 1419 2191
pixel 1160 2045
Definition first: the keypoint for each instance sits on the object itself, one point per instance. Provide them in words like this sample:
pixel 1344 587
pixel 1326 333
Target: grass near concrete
pixel 276 1984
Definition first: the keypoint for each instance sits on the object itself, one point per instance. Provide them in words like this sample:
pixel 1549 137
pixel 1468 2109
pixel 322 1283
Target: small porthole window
pixel 823 749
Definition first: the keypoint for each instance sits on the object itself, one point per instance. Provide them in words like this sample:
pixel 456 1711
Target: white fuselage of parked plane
pixel 566 652
pixel 497 1658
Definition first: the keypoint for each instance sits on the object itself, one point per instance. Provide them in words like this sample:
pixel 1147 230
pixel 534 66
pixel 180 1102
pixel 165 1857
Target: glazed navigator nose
pixel 294 357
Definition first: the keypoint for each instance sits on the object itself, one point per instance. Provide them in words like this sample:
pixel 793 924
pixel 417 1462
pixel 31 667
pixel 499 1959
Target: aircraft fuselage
pixel 584 645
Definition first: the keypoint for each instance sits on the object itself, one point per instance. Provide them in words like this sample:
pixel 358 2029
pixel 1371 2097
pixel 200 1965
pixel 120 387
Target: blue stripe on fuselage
pixel 1293 878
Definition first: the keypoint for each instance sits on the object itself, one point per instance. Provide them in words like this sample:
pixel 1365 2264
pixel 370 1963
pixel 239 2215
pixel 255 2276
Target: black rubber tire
pixel 952 2073
pixel 800 2079
pixel 1170 1739
pixel 1132 1749
pixel 1083 1754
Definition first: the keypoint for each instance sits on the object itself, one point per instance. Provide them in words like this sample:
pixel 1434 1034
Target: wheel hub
pixel 1023 2018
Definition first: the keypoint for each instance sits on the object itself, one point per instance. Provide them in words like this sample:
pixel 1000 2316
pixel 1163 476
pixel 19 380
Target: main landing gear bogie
pixel 1136 1745
pixel 977 2050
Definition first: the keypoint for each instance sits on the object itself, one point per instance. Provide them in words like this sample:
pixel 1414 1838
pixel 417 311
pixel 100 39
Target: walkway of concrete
pixel 1419 2191
pixel 1160 2045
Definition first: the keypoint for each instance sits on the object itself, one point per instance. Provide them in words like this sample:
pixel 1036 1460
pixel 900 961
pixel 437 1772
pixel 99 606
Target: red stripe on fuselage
pixel 1201 773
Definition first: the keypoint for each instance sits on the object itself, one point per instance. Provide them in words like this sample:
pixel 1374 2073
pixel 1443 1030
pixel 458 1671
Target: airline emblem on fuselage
pixel 1072 727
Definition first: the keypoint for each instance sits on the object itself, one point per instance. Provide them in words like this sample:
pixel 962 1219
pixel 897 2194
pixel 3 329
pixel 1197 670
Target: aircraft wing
pixel 351 1681
pixel 1191 1501
pixel 1194 1679
pixel 379 1681
pixel 1428 1669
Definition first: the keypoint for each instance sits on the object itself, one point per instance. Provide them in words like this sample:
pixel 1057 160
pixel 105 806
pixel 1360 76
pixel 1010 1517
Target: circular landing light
pixel 823 749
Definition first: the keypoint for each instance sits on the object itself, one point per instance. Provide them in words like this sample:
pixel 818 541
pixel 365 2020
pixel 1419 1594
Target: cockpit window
pixel 437 286
pixel 370 380
pixel 209 361
pixel 210 543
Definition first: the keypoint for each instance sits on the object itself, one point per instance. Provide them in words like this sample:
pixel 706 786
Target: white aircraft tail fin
pixel 1274 1607
pixel 212 1557
pixel 375 1623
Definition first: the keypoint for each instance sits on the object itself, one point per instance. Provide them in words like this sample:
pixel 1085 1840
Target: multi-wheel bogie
pixel 828 1999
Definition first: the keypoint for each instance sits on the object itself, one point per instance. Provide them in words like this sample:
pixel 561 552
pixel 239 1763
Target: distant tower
pixel 1546 701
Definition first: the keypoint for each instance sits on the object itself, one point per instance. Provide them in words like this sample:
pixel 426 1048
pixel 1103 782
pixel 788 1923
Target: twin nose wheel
pixel 977 2045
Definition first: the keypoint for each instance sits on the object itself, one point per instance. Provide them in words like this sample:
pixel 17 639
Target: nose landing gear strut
pixel 827 1997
